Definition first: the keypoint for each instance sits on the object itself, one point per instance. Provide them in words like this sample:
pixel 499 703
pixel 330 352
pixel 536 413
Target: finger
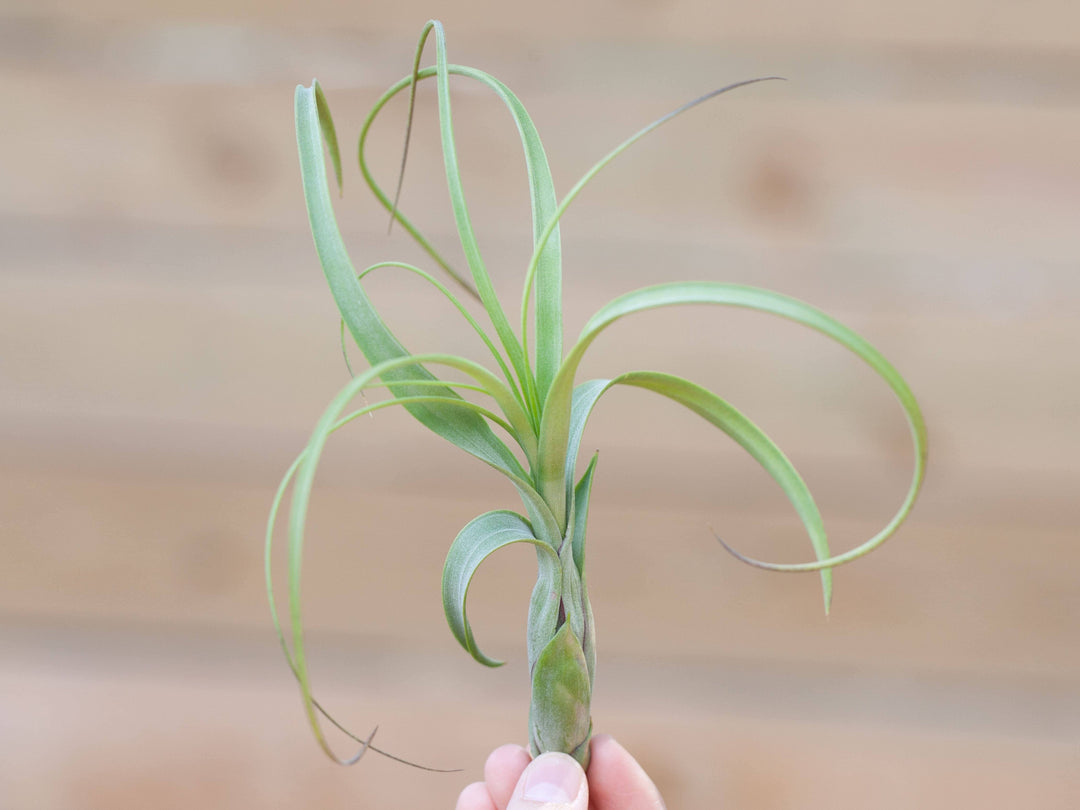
pixel 551 781
pixel 475 797
pixel 502 771
pixel 616 781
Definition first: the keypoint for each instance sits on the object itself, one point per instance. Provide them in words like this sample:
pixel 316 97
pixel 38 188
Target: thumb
pixel 551 781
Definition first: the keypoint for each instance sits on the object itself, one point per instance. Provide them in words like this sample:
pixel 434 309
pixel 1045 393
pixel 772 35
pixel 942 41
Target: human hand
pixel 515 781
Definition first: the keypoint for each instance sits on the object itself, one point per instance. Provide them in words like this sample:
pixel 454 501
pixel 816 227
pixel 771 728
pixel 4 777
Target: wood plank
pixel 257 52
pixel 1042 23
pixel 943 184
pixel 176 723
pixel 942 598
pixel 167 343
pixel 260 354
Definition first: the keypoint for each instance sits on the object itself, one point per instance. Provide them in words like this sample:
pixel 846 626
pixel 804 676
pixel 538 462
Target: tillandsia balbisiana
pixel 533 399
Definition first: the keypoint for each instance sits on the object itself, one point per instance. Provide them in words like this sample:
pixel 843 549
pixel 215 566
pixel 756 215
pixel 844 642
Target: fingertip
pixel 502 770
pixel 507 756
pixel 552 780
pixel 475 797
pixel 605 752
pixel 617 780
pixel 609 750
pixel 601 741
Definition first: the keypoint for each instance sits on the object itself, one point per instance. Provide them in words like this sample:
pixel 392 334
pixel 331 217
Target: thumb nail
pixel 553 781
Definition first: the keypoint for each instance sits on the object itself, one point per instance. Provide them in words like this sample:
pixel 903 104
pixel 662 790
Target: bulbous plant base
pixel 559 717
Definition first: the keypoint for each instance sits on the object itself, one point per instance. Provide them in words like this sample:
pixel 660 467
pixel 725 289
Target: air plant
pixel 533 399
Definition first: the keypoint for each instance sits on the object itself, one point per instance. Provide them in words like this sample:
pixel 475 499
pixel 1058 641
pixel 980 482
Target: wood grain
pixel 171 724
pixel 166 343
pixel 1043 23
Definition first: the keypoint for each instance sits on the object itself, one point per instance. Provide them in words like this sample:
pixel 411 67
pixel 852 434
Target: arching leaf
pixel 480 538
pixel 559 411
pixel 548 259
pixel 368 330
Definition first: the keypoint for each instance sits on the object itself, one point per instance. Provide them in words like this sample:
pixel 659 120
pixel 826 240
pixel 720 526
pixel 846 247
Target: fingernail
pixel 552 778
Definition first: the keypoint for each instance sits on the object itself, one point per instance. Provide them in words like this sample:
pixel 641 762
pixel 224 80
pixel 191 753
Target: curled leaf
pixel 482 537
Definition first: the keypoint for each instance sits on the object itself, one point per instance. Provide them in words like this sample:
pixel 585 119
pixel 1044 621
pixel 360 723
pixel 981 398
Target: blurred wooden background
pixel 166 344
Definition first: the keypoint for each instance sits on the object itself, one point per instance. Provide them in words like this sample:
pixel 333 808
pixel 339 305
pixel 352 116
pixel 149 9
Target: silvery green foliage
pixel 533 397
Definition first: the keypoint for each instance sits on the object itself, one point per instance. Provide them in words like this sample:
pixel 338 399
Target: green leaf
pixel 561 695
pixel 548 272
pixel 559 411
pixel 480 538
pixel 305 475
pixel 579 515
pixel 550 230
pixel 381 196
pixel 365 743
pixel 726 417
pixel 583 400
pixel 326 123
pixel 547 479
pixel 473 442
pixel 372 336
pixel 295 656
pixel 442 288
pixel 545 604
pixel 579 519
pixel 510 342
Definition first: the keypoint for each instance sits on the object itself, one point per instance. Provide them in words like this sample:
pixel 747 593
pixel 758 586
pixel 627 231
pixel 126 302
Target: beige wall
pixel 166 343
